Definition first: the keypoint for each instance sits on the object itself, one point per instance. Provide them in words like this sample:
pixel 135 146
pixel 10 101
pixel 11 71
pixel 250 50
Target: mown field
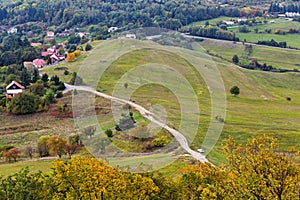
pixel 261 108
pixel 292 40
pixel 278 58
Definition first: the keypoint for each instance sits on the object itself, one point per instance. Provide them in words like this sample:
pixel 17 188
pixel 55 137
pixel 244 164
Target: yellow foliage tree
pixel 256 171
pixel 87 178
pixel 70 57
pixel 57 145
pixel 77 53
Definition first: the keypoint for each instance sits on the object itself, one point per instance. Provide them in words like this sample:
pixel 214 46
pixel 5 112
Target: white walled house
pixel 12 30
pixel 14 88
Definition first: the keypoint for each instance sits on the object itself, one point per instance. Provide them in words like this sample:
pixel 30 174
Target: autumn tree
pixel 88 178
pixel 77 53
pixel 42 146
pixel 57 145
pixel 259 171
pixel 70 57
pixel 12 153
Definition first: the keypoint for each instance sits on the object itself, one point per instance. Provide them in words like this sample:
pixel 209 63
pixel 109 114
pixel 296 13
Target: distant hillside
pixel 124 13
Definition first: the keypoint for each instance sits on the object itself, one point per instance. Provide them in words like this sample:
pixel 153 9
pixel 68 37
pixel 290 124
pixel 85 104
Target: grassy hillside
pixel 261 107
pixel 279 58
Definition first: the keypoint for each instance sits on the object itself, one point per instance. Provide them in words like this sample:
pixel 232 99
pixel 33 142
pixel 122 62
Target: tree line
pixel 213 32
pixel 252 171
pixel 129 14
pixel 277 8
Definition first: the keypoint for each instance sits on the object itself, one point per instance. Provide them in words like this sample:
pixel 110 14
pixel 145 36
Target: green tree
pixel 88 47
pixel 43 146
pixel 23 103
pixel 109 133
pixel 235 59
pixel 235 90
pixel 57 145
pixel 45 78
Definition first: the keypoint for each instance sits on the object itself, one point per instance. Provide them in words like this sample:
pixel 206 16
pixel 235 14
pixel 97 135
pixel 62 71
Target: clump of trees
pixel 213 32
pixel 37 98
pixel 273 43
pixel 55 145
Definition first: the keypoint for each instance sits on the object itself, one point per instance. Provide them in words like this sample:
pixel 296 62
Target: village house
pixel 50 34
pixel 36 44
pixel 57 58
pixel 243 19
pixel 39 63
pixel 27 64
pixel 112 29
pixel 229 23
pixel 14 88
pixel 80 34
pixel 130 36
pixel 12 30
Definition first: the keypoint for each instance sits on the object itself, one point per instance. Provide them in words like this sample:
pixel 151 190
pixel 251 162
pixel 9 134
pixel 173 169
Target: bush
pixel 160 141
pixel 88 47
pixel 109 133
pixel 235 90
pixel 23 103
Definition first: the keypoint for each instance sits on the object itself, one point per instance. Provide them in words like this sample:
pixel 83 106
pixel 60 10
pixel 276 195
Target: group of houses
pixel 53 54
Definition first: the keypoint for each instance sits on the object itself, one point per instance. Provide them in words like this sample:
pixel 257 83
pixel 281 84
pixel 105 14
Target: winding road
pixel 148 115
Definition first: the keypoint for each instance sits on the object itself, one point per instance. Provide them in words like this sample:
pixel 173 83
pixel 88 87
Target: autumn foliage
pixel 254 171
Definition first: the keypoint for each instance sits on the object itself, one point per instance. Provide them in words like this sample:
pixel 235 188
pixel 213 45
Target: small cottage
pixel 14 88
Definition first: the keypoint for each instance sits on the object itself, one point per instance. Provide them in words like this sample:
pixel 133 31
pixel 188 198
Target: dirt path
pixel 148 115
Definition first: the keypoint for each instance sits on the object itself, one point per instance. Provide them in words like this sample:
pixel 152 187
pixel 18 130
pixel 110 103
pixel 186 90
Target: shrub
pixel 88 47
pixel 235 90
pixel 160 141
pixel 109 133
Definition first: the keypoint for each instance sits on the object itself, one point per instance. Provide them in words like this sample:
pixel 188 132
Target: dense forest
pixel 125 13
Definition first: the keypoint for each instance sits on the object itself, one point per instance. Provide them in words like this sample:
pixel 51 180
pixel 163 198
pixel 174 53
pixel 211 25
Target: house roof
pixel 15 83
pixel 39 63
pixel 50 33
pixel 27 64
pixel 36 44
pixel 45 53
pixel 57 57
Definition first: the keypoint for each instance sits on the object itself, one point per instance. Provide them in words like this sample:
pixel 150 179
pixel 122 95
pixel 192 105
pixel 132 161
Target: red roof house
pixel 45 53
pixel 14 88
pixel 39 63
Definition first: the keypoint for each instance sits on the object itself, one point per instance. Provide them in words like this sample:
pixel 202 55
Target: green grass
pixel 211 21
pixel 34 166
pixel 261 108
pixel 278 58
pixel 279 24
pixel 291 39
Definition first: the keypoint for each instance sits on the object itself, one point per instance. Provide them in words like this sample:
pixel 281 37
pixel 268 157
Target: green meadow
pixel 261 107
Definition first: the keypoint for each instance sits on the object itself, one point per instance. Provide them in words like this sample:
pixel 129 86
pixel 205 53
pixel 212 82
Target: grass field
pixel 33 166
pixel 211 21
pixel 291 39
pixel 261 108
pixel 279 58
